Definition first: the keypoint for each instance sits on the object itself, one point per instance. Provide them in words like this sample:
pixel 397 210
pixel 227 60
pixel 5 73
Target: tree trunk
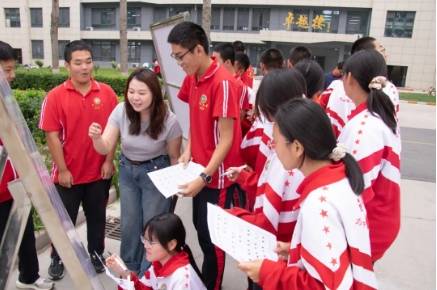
pixel 123 37
pixel 206 17
pixel 54 35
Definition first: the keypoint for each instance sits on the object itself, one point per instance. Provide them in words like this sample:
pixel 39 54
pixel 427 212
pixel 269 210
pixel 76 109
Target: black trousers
pixel 213 258
pixel 94 197
pixel 27 256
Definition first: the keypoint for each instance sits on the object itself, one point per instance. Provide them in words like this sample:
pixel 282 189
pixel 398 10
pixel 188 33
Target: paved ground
pixel 409 264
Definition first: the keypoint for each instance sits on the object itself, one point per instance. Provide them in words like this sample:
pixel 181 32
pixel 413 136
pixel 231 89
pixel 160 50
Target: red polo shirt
pixel 247 76
pixel 211 97
pixel 9 174
pixel 70 113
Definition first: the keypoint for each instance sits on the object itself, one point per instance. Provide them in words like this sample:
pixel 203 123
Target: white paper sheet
pixel 167 179
pixel 239 239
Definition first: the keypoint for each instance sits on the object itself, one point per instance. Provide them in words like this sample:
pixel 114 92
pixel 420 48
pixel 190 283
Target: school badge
pixel 97 103
pixel 163 287
pixel 203 103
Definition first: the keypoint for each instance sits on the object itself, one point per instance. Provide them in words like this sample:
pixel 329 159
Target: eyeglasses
pixel 180 58
pixel 148 243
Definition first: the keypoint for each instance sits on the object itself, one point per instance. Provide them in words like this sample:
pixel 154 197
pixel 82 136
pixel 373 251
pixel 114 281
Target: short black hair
pixel 6 52
pixel 76 45
pixel 239 46
pixel 299 53
pixel 366 42
pixel 272 58
pixel 243 60
pixel 313 75
pixel 340 64
pixel 226 51
pixel 188 34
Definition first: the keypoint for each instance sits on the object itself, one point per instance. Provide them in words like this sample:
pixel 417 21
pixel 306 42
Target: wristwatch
pixel 206 178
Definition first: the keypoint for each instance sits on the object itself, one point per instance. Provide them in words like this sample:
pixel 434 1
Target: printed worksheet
pixel 168 179
pixel 243 241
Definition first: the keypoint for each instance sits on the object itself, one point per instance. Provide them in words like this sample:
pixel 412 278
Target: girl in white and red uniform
pixel 330 247
pixel 372 136
pixel 275 189
pixel 173 266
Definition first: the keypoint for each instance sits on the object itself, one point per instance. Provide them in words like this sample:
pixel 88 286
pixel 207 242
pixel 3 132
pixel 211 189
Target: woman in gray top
pixel 150 139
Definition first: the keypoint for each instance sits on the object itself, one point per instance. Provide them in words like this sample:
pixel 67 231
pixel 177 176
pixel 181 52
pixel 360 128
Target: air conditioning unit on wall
pixel 89 28
pixel 136 28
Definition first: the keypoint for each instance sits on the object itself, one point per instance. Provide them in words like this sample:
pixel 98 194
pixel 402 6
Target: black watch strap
pixel 206 178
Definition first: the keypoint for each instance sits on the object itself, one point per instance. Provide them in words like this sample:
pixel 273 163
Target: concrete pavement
pixel 409 263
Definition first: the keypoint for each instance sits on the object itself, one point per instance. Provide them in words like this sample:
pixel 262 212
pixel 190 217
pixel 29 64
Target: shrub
pixel 39 63
pixel 42 79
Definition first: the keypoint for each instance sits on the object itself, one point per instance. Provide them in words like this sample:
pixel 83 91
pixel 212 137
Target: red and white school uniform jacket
pixel 275 199
pixel 338 106
pixel 256 147
pixel 176 274
pixel 377 150
pixel 330 248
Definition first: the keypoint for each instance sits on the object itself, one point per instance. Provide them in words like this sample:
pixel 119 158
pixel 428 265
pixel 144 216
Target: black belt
pixel 133 162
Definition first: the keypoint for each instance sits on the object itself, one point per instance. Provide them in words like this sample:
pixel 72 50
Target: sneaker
pixel 40 284
pixel 56 269
pixel 97 264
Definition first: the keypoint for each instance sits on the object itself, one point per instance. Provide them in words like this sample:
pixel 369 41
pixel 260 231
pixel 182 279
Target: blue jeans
pixel 140 200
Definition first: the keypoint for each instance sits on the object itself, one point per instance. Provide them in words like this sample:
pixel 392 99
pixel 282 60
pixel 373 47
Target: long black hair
pixel 305 121
pixel 313 74
pixel 365 65
pixel 166 227
pixel 277 87
pixel 158 109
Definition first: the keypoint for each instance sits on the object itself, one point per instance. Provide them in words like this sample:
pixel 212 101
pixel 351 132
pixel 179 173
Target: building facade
pixel 327 27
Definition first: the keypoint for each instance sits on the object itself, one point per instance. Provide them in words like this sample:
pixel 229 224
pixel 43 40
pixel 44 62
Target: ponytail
pixel 185 248
pixel 354 174
pixel 378 102
pixel 369 69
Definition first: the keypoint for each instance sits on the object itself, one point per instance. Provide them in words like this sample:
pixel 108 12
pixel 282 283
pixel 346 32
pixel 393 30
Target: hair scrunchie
pixel 338 153
pixel 378 83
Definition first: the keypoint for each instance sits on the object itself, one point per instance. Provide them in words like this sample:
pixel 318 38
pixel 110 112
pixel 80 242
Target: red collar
pixel 326 175
pixel 361 107
pixel 94 85
pixel 210 71
pixel 175 262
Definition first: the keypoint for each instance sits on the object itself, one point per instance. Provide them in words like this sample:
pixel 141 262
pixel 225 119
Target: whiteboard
pixel 172 73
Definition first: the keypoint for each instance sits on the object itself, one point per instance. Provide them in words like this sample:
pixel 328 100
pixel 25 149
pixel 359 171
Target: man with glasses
pixel 215 135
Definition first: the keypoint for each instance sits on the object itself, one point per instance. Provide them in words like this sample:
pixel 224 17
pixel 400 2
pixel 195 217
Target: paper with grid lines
pixel 241 240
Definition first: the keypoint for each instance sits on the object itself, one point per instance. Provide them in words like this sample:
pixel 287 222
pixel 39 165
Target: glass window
pixel 159 13
pixel 178 9
pixel 357 22
pixel 103 17
pixel 36 17
pixel 12 17
pixel 37 49
pixel 64 16
pixel 397 74
pixel 134 51
pixel 215 18
pixel 103 50
pixel 399 24
pixel 325 21
pixel 260 19
pixel 133 17
pixel 301 19
pixel 61 47
pixel 199 15
pixel 243 19
pixel 228 18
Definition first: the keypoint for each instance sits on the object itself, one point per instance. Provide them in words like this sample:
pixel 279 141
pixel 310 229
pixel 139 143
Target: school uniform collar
pixel 326 175
pixel 361 107
pixel 210 71
pixel 95 86
pixel 175 262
